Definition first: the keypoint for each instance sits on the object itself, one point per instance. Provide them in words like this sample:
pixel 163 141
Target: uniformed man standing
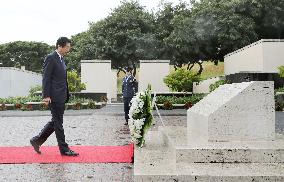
pixel 129 89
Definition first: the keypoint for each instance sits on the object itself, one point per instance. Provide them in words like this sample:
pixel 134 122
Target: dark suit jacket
pixel 129 86
pixel 54 82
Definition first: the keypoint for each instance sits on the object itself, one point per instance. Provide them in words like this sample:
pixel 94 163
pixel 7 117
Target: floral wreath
pixel 140 116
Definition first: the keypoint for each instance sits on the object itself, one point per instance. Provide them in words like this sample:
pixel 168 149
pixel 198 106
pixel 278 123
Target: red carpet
pixel 88 154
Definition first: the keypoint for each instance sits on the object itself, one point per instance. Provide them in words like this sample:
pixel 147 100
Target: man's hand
pixel 47 100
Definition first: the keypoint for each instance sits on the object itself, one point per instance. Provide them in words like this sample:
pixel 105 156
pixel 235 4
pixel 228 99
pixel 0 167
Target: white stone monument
pixel 264 56
pixel 153 72
pixel 99 78
pixel 234 112
pixel 230 136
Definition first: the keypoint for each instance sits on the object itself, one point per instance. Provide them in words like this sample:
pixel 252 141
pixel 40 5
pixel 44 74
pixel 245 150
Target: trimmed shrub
pixel 74 82
pixel 181 80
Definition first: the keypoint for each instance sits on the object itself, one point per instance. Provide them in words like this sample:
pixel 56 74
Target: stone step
pixel 229 155
pixel 155 139
pixel 223 152
pixel 158 161
pixel 159 165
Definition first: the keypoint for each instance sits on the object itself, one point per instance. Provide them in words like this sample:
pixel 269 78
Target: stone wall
pixel 17 82
pixel 264 56
pixel 153 72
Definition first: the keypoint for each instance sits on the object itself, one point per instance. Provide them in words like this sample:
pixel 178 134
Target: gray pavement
pixel 82 127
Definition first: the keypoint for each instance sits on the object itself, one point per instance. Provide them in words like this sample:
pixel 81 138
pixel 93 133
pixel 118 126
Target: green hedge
pixel 23 100
pixel 180 100
pixel 281 89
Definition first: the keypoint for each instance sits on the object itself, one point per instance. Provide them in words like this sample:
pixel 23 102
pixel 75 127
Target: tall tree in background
pixel 164 27
pixel 212 30
pixel 82 48
pixel 268 16
pixel 185 33
pixel 221 29
pixel 125 36
pixel 23 53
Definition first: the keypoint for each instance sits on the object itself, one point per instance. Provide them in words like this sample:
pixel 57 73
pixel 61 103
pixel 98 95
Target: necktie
pixel 63 63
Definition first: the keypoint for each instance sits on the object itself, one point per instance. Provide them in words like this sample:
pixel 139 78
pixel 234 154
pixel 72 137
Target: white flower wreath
pixel 140 116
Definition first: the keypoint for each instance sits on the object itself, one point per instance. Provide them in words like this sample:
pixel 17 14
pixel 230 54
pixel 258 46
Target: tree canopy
pixel 22 53
pixel 186 33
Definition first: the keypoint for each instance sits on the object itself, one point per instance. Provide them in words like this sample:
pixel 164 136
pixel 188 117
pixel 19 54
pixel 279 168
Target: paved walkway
pixel 83 127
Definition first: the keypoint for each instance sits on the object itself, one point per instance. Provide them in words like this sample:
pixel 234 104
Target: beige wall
pixel 265 55
pixel 153 72
pixel 17 82
pixel 98 77
pixel 248 58
pixel 273 56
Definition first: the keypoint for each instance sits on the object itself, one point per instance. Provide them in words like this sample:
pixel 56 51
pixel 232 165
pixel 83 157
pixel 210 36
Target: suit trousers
pixel 127 103
pixel 56 124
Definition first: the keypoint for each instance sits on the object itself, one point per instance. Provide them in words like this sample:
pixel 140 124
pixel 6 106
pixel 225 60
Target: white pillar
pixel 98 77
pixel 153 72
pixel 113 85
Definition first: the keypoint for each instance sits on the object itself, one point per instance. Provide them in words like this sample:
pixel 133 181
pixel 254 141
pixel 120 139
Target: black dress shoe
pixel 70 153
pixel 35 146
pixel 125 123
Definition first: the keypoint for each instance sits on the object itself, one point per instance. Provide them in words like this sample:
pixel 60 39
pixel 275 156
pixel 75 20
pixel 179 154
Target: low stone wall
pixel 176 94
pixel 90 95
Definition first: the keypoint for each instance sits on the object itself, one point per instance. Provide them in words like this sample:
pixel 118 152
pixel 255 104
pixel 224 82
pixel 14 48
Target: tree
pixel 211 31
pixel 268 16
pixel 164 27
pixel 83 48
pixel 28 54
pixel 125 36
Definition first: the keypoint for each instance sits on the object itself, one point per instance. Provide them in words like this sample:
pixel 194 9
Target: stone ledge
pixel 159 165
pixel 223 152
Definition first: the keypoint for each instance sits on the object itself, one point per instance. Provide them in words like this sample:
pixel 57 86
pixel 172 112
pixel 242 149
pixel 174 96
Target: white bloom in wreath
pixel 136 122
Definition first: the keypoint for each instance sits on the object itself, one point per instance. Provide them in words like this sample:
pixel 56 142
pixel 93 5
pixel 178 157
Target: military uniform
pixel 129 89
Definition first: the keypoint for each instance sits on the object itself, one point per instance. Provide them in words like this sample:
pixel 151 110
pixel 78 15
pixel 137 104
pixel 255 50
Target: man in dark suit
pixel 55 94
pixel 129 89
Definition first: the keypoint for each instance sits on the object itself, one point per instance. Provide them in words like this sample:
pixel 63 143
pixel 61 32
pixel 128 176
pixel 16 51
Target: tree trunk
pixel 200 68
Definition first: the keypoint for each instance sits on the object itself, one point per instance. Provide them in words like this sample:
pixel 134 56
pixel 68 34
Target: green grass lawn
pixel 209 70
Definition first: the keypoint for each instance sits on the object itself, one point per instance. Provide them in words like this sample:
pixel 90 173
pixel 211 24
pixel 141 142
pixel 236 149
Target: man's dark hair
pixel 62 41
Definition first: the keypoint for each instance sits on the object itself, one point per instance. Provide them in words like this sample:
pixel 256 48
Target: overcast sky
pixel 45 21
